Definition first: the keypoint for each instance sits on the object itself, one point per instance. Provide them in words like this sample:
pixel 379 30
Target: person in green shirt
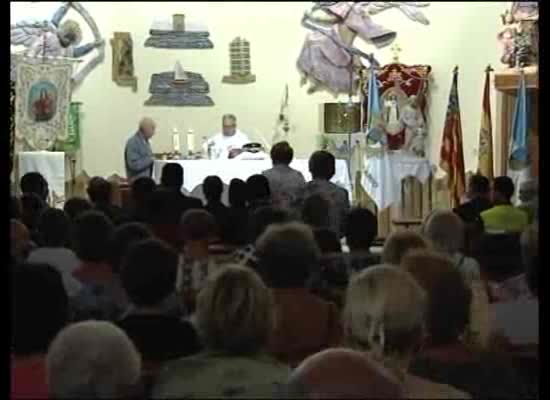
pixel 504 217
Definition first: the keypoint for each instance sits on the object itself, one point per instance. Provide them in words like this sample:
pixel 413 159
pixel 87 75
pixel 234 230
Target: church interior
pixel 379 144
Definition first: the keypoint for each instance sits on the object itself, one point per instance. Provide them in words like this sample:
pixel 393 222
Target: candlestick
pixel 190 141
pixel 176 140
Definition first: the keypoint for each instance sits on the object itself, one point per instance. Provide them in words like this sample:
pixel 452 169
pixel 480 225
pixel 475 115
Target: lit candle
pixel 190 141
pixel 176 140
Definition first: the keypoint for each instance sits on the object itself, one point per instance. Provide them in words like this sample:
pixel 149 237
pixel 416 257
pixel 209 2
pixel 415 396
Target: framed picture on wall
pixel 123 60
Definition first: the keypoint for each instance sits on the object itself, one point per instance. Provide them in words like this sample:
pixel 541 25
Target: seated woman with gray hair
pixel 93 359
pixel 446 232
pixel 390 327
pixel 234 319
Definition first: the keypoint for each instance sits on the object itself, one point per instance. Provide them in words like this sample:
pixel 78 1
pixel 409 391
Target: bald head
pixel 229 124
pixel 147 127
pixel 342 374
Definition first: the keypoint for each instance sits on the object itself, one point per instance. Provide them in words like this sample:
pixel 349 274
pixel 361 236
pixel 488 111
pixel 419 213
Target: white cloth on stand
pixel 51 164
pixel 383 173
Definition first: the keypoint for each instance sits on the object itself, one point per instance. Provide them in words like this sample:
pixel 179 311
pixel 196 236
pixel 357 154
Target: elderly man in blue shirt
pixel 138 155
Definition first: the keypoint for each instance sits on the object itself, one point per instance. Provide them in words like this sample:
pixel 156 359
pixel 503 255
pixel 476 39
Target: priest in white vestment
pixel 228 139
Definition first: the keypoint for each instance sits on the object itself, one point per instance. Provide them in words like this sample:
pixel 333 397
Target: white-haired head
pixel 445 230
pixel 92 359
pixel 147 127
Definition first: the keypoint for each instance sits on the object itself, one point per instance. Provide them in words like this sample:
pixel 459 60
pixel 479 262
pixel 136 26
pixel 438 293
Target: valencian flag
pixel 485 155
pixel 519 149
pixel 452 156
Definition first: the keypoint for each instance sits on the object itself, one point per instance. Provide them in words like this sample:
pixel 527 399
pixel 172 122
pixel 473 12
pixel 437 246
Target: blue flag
pixel 374 129
pixel 519 147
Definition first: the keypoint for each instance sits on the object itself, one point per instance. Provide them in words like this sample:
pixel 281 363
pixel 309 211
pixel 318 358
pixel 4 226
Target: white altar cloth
pixel 383 174
pixel 51 164
pixel 194 171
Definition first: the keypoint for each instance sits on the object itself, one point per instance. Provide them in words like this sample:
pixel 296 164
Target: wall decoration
pixel 176 34
pixel 123 60
pixel 520 36
pixel 12 122
pixel 43 95
pixel 403 91
pixel 178 88
pixel 58 39
pixel 328 58
pixel 239 57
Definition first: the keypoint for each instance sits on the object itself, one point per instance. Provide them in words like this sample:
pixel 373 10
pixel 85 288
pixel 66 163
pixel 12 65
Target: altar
pixel 194 171
pixel 51 164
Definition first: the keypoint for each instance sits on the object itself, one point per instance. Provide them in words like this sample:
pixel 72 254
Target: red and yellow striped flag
pixel 452 155
pixel 485 153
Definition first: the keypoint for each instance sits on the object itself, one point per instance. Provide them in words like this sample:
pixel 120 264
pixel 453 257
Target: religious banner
pixel 485 155
pixel 402 90
pixel 72 143
pixel 452 154
pixel 42 105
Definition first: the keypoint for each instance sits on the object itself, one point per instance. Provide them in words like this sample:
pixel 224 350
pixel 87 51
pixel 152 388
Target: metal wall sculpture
pixel 239 57
pixel 328 58
pixel 42 104
pixel 123 60
pixel 179 88
pixel 59 39
pixel 175 34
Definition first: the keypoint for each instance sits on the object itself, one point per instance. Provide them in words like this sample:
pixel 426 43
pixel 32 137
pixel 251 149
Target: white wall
pixel 460 33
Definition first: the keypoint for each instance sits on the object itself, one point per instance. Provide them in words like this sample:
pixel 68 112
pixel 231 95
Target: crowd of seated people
pixel 281 294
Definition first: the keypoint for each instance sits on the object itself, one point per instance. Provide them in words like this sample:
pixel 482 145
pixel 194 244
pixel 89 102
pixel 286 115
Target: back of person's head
pixel 327 241
pixel 237 193
pixel 15 208
pixel 143 187
pixel 257 187
pixel 92 359
pixel 503 189
pixel 385 312
pixel 198 225
pixel 316 211
pixel 40 307
pixel 445 230
pixel 32 206
pixel 400 243
pixel 361 229
pixel 100 190
pixel 149 271
pixel 282 153
pixel 212 187
pixel 20 241
pixel 342 374
pixel 287 253
pixel 122 238
pixel 54 228
pixel 172 176
pixel 322 165
pixel 479 186
pixel 34 182
pixel 163 207
pixel 449 297
pixel 263 217
pixel 530 256
pixel 75 206
pixel 92 231
pixel 235 311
